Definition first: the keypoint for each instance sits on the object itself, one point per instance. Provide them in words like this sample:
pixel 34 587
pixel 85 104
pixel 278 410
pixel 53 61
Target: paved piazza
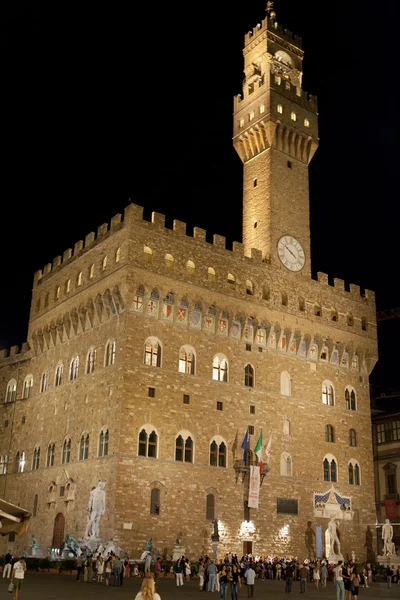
pixel 38 586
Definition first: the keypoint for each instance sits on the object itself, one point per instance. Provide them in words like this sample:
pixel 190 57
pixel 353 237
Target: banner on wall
pixel 254 487
pixel 391 508
pixel 318 541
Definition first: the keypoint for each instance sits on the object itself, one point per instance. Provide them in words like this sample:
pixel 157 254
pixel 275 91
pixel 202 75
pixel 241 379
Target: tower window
pixel 151 392
pixel 279 109
pixel 251 116
pixel 289 164
pixel 252 409
pixel 220 405
pixel 255 182
pixel 293 116
pixel 262 109
pixel 255 224
pixel 241 123
pixel 278 80
pixel 186 399
pixel 306 123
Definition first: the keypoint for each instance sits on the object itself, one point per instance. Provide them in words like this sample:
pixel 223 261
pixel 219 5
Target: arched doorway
pixel 58 532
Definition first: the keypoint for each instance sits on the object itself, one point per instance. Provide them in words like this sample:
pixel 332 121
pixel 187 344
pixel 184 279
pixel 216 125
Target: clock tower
pixel 275 134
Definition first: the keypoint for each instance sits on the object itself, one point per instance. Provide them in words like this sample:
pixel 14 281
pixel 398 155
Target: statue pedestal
pixel 333 559
pixel 389 559
pixel 214 546
pixel 178 552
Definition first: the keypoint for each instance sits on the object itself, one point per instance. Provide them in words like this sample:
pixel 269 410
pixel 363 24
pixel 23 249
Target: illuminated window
pixel 84 447
pixel 91 272
pixel 184 449
pixel 57 293
pixel 287 85
pixel 91 360
pixel 220 368
pixel 152 352
pixel 190 266
pixel 3 464
pixel 66 452
pixel 217 454
pixel 306 123
pixel 279 109
pixel 328 394
pixel 350 398
pixel 293 116
pixel 36 459
pixel 249 376
pixel 249 287
pixel 20 462
pixel 104 263
pixel 28 383
pixel 51 449
pixel 44 382
pixel 330 469
pixel 67 286
pixel 109 356
pixel 354 473
pixel 251 116
pixel 73 368
pixel 169 261
pixel 211 274
pixel 11 391
pixel 241 123
pixel 79 279
pixel 262 109
pixel 187 360
pixel 148 444
pixel 278 79
pixel 118 255
pixel 148 254
pixel 231 278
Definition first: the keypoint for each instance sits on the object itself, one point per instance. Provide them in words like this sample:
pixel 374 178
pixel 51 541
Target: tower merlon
pixel 322 277
pixel 158 220
pixel 338 284
pixel 256 255
pixel 67 254
pixel 179 227
pixel 219 241
pixel 238 248
pixel 102 230
pixel 133 213
pixel 89 239
pixel 47 268
pixel 199 234
pixel 273 27
pixel 78 246
pixel 115 221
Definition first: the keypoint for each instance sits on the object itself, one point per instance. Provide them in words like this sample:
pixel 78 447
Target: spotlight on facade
pixel 284 532
pixel 247 528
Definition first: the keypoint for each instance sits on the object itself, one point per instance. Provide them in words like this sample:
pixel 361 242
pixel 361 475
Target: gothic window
pixel 286 464
pixel 279 109
pixel 28 383
pixel 152 352
pixel 249 376
pixel 364 324
pixel 66 452
pixel 184 448
pixel 20 462
pixel 249 287
pixel 91 272
pixel 262 109
pixel 330 468
pixel 329 433
pixel 155 502
pixel 118 255
pixel 67 286
pixel 109 356
pixel 103 442
pixel 217 453
pixel 44 382
pixel 231 278
pixel 251 115
pixel 220 368
pixel 350 397
pixel 328 394
pixel 73 368
pixel 190 267
pixel 211 274
pixel 148 443
pixel 50 454
pixel 187 360
pixel 36 459
pixel 349 320
pixel 354 473
pixel 3 464
pixel 293 116
pixel 79 279
pixel 91 360
pixel 148 254
pixel 306 123
pixel 11 390
pixel 84 447
pixel 210 507
pixel 352 438
pixel 104 263
pixel 57 293
pixel 285 384
pixel 241 123
pixel 169 261
pixel 58 375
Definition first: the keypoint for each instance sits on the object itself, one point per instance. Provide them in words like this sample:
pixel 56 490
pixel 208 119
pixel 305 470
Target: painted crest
pixel 182 314
pixel 152 307
pixel 137 303
pixel 208 322
pixel 235 331
pixel 195 319
pixel 167 310
pixel 260 336
pixel 292 347
pixel 222 325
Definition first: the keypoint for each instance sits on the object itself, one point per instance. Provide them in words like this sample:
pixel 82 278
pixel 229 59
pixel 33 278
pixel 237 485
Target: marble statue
pixel 387 536
pixel 96 509
pixel 179 539
pixel 353 556
pixel 333 536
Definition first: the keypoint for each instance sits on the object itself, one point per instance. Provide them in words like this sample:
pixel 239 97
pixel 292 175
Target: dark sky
pixel 126 100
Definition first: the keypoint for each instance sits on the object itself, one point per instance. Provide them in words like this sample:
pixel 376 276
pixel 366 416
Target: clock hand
pixel 287 248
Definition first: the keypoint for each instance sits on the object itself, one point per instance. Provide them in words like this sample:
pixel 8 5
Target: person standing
pixel 355 583
pixel 78 568
pixel 339 581
pixel 346 574
pixel 147 591
pixel 100 569
pixel 18 575
pixel 7 565
pixel 288 577
pixel 235 583
pixel 223 581
pixel 201 574
pixel 211 572
pixel 324 574
pixel 179 567
pixel 157 570
pixel 303 573
pixel 389 575
pixel 316 576
pixel 117 564
pixel 250 579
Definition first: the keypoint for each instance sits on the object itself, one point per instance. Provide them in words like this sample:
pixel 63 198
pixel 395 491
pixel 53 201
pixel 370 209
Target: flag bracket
pixel 242 469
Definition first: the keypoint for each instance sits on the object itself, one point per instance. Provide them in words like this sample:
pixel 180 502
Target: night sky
pixel 123 100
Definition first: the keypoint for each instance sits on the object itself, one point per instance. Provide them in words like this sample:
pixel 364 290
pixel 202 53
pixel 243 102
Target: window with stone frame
pixel 20 462
pixel 27 388
pixel 91 361
pixel 109 356
pixel 66 452
pixel 11 392
pixel 51 448
pixel 217 454
pixel 35 505
pixel 329 433
pixel 36 459
pixel 155 501
pixel 152 353
pixel 3 464
pixel 148 444
pixel 103 442
pixel 286 464
pixel 328 394
pixel 352 437
pixel 118 255
pixel 350 398
pixel 220 368
pixel 58 375
pixel 249 376
pixel 354 473
pixel 73 368
pixel 187 360
pixel 210 507
pixel 84 447
pixel 330 469
pixel 44 382
pixel 184 449
pixel 388 432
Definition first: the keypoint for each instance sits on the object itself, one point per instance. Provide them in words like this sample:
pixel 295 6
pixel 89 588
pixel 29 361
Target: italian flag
pixel 258 451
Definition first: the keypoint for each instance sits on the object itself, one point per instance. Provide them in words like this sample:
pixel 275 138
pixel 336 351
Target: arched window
pixel 44 382
pixel 354 472
pixel 67 286
pixel 46 300
pixel 118 255
pixel 103 442
pixel 11 391
pixel 286 464
pixel 187 360
pixel 190 267
pixel 28 383
pixel 66 452
pixel 249 376
pixel 148 254
pixel 79 279
pixel 36 459
pixel 104 263
pixel 329 433
pixel 231 278
pixel 330 468
pixel 328 394
pixel 169 261
pixel 211 274
pixel 73 368
pixel 249 287
pixel 35 505
pixel 148 440
pixel 58 375
pixel 363 324
pixel 91 360
pixel 210 507
pixel 286 384
pixel 152 352
pixel 91 272
pixel 3 464
pixel 84 447
pixel 352 437
pixel 334 315
pixel 51 448
pixel 220 368
pixel 57 293
pixel 20 462
pixel 184 448
pixel 155 502
pixel 109 356
pixel 217 453
pixel 350 397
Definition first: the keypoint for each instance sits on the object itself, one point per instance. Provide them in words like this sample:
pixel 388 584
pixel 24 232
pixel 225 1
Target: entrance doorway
pixel 58 532
pixel 247 547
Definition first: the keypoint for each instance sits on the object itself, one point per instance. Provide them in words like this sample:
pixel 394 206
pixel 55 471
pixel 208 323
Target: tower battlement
pixel 269 25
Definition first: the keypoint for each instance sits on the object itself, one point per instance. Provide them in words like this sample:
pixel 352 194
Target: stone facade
pixel 153 291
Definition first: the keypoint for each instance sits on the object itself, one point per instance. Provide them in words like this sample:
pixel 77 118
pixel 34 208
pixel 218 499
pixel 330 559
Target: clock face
pixel 291 253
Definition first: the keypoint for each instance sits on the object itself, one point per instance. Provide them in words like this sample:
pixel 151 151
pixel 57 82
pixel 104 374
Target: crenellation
pixel 256 255
pixel 47 268
pixel 199 234
pixel 179 227
pixel 219 241
pixel 102 230
pixel 115 221
pixel 56 262
pixel 370 296
pixel 4 353
pixel 78 246
pixel 133 213
pixel 89 239
pixel 238 248
pixel 67 255
pixel 14 350
pixel 339 284
pixel 158 220
pixel 355 290
pixel 37 276
pixel 322 278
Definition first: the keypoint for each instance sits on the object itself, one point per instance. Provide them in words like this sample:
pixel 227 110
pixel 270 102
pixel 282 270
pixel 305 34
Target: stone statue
pixel 71 544
pixel 149 545
pixel 216 532
pixel 96 509
pixel 333 535
pixel 179 539
pixel 387 536
pixel 35 543
pixel 353 556
pixel 309 539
